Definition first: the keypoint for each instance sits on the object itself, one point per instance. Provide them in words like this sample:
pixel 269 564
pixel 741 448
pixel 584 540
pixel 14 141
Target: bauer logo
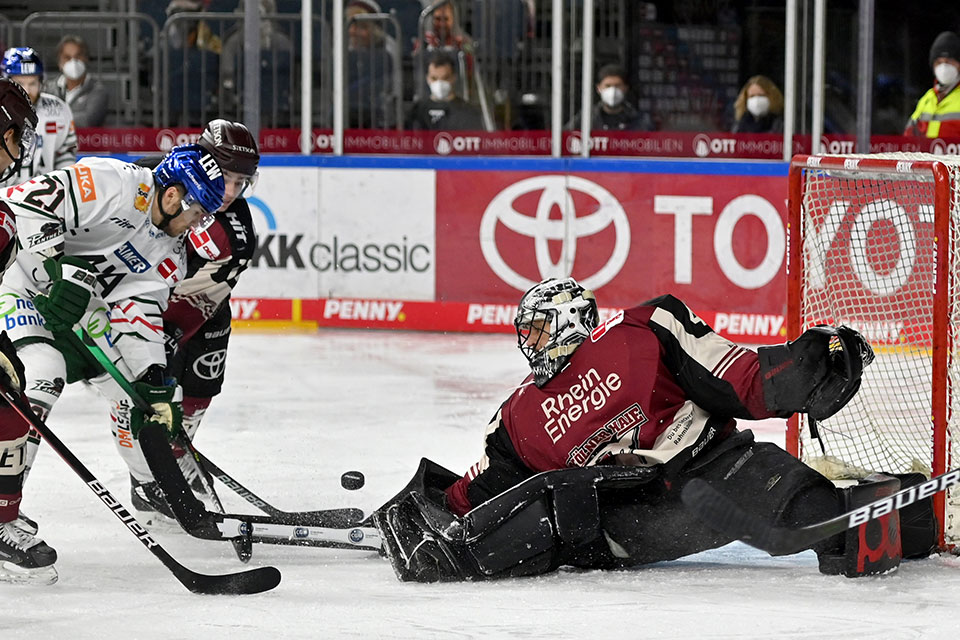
pixel 556 193
pixel 132 258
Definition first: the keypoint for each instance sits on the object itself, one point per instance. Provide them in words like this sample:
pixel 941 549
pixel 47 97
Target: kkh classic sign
pixel 718 242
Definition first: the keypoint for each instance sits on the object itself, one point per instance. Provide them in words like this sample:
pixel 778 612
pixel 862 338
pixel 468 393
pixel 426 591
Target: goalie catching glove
pixel 165 401
pixel 817 374
pixel 73 283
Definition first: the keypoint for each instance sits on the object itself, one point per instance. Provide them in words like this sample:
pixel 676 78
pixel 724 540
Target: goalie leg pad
pixel 531 529
pixel 875 546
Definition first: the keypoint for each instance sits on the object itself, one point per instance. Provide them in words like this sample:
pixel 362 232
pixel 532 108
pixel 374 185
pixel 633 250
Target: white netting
pixel 867 246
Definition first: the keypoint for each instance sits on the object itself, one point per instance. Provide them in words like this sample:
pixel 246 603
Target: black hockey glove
pixel 74 281
pixel 11 368
pixel 818 373
pixel 167 411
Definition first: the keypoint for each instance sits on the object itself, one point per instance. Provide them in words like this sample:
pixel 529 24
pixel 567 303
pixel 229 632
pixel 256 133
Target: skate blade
pixel 11 573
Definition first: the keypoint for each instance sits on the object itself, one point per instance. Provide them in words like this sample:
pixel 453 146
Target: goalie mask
pixel 554 317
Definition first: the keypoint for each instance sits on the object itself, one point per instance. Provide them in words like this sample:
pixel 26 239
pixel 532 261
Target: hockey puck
pixel 352 480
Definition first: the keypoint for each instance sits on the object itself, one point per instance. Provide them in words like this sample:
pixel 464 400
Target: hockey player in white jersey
pixel 55 145
pixel 105 230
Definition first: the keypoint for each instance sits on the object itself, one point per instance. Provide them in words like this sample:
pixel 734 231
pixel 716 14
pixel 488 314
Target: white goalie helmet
pixel 553 318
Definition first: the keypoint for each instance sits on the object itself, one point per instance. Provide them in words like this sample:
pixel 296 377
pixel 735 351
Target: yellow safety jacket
pixel 936 118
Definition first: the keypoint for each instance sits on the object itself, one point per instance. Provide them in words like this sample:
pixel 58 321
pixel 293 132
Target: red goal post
pixel 873 243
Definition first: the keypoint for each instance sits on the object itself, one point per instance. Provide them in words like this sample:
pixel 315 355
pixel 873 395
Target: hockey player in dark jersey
pixel 23 556
pixel 584 463
pixel 197 321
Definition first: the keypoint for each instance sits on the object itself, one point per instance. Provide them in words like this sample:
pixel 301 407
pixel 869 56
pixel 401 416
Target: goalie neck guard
pixel 553 318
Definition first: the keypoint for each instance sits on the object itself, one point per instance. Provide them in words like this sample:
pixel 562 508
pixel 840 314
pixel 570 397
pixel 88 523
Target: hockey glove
pixel 167 412
pixel 818 373
pixel 11 368
pixel 74 282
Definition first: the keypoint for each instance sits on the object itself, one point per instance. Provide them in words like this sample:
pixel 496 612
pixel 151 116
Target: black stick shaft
pixel 251 581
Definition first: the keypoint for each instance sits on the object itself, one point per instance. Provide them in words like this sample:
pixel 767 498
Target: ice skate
pixel 24 558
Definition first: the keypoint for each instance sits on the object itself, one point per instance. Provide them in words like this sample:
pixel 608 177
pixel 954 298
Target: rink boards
pixel 451 244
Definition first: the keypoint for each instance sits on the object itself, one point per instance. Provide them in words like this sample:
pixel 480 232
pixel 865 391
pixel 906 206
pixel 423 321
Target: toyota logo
pixel 210 366
pixel 555 191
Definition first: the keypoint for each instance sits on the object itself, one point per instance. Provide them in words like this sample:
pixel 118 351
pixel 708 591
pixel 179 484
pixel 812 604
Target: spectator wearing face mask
pixel 85 95
pixel 443 110
pixel 759 107
pixel 938 112
pixel 612 112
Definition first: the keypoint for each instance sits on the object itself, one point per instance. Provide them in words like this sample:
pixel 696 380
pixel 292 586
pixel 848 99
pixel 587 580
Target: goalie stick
pixel 724 514
pixel 244 582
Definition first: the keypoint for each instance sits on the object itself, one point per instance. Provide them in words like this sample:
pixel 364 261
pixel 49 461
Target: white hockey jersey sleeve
pixel 99 210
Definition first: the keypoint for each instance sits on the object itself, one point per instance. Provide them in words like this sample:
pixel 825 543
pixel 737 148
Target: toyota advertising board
pixel 717 242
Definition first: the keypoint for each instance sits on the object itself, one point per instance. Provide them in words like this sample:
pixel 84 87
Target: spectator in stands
pixel 55 146
pixel 759 107
pixel 85 94
pixel 446 35
pixel 938 112
pixel 371 94
pixel 613 112
pixel 443 110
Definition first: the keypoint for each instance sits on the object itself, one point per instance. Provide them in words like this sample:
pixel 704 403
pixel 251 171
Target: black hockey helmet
pixel 16 113
pixel 232 144
pixel 553 318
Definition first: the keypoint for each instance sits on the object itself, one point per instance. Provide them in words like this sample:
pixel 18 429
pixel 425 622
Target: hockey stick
pixel 342 517
pixel 249 581
pixel 241 545
pixel 725 515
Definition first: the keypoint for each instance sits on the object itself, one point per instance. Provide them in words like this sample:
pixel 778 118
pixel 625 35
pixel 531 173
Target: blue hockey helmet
pixel 197 170
pixel 21 61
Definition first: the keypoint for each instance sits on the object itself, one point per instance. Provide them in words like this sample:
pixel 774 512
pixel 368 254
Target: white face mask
pixel 611 96
pixel 440 89
pixel 758 106
pixel 74 68
pixel 946 73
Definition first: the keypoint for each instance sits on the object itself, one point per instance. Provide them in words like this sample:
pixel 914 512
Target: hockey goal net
pixel 873 244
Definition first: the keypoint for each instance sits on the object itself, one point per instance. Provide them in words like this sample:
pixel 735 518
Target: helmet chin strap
pixel 167 218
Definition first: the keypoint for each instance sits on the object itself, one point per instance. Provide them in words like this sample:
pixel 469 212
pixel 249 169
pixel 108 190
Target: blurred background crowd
pixel 681 65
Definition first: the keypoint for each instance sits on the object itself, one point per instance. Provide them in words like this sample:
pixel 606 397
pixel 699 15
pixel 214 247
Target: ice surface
pixel 299 410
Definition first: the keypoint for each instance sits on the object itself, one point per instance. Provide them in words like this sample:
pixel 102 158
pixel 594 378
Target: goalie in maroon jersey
pixel 585 462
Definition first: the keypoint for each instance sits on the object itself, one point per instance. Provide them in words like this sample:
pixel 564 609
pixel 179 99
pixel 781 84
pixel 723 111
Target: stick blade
pixel 242 583
pixel 726 516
